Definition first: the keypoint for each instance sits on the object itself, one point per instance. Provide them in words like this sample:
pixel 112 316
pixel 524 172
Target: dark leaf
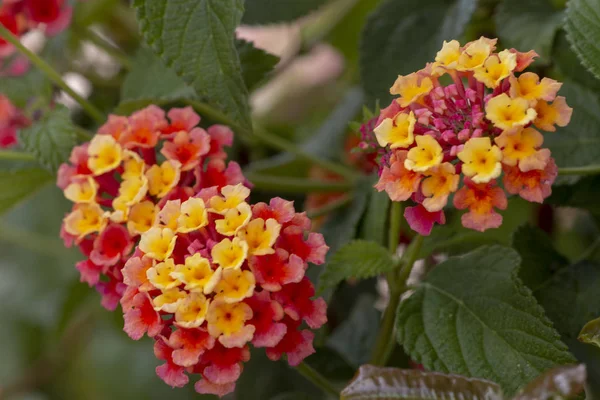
pixel 17 185
pixel 392 383
pixel 473 316
pixel 260 12
pixel 583 31
pixel 256 63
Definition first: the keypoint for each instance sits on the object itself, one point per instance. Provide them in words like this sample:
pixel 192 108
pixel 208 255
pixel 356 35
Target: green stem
pixel 397 286
pixel 586 170
pixel 295 185
pixel 51 74
pixel 274 141
pixel 327 208
pixel 317 379
pixel 106 46
pixel 16 156
pixel 395 221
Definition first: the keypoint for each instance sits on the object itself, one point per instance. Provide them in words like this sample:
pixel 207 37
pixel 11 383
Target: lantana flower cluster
pixel 485 126
pixel 22 16
pixel 215 274
pixel 120 180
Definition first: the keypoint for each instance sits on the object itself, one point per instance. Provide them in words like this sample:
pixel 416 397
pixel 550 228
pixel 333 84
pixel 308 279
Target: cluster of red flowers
pixel 118 185
pixel 214 275
pixel 163 222
pixel 21 16
pixel 482 126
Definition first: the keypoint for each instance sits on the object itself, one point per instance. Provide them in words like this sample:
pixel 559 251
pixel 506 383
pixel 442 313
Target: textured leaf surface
pixel 528 25
pixel 358 259
pixel 260 12
pixel 149 78
pixel 567 292
pixel 256 63
pixel 50 139
pixel 577 144
pixel 583 30
pixel 196 39
pixel 21 89
pixel 392 383
pixel 558 383
pixel 402 35
pixel 567 62
pixel 472 316
pixel 17 185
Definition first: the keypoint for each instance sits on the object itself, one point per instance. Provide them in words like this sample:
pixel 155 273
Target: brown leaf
pixel 562 382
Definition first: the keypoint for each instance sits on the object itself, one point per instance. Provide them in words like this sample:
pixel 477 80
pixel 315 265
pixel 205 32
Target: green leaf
pixel 18 185
pixel 196 39
pixel 149 78
pixel 567 292
pixel 590 333
pixel 331 364
pixel 355 337
pixel 539 259
pixel 568 64
pixel 558 383
pixel 256 63
pixel 260 12
pixel 375 220
pixel 528 25
pixel 402 35
pixel 392 383
pixel 358 259
pixel 583 31
pixel 20 90
pixel 473 316
pixel 577 144
pixel 51 139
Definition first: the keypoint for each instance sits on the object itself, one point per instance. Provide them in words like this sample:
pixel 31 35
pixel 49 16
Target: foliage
pixel 510 313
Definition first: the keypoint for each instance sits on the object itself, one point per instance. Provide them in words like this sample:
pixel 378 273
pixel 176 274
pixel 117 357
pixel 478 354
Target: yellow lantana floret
pixel 260 236
pixel 441 181
pixel 397 132
pixel 235 285
pixel 411 88
pixel 83 191
pixel 141 217
pixel 496 68
pixel 475 54
pixel 529 87
pixel 133 165
pixel 86 218
pixel 133 190
pixel 167 217
pixel 519 145
pixel 549 114
pixel 158 243
pixel 230 253
pixel 169 300
pixel 447 57
pixel 425 155
pixel 227 322
pixel 193 215
pixel 163 178
pixel 234 220
pixel 160 275
pixel 197 274
pixel 192 311
pixel 105 154
pixel 481 160
pixel 233 195
pixel 506 113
